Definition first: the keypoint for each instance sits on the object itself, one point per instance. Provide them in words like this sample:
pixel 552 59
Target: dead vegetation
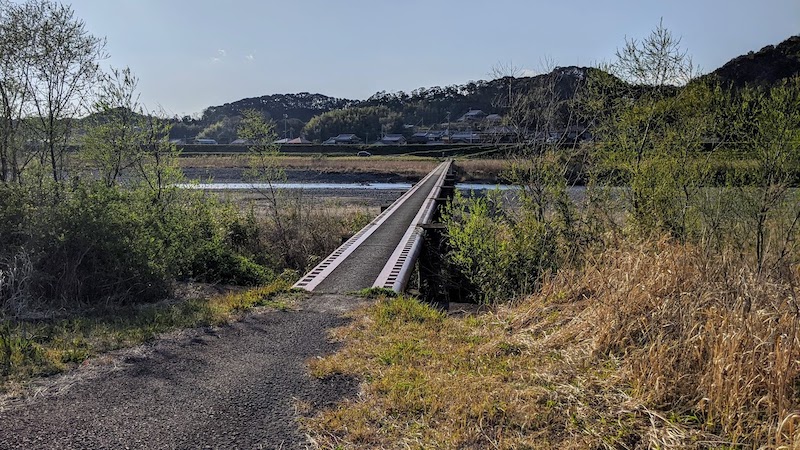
pixel 650 345
pixel 409 166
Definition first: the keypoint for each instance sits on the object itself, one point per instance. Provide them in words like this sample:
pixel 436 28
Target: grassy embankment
pixel 650 345
pixel 410 166
pixel 722 167
pixel 35 348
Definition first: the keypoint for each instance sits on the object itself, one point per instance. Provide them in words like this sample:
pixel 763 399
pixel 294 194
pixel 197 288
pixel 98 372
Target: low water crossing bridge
pixel 383 253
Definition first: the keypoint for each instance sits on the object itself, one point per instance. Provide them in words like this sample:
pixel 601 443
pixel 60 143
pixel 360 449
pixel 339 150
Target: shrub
pixel 215 263
pixel 501 256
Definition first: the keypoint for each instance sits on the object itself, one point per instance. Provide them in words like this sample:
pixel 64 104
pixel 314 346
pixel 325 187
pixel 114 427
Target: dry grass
pixel 483 169
pixel 402 165
pixel 648 346
pixel 410 166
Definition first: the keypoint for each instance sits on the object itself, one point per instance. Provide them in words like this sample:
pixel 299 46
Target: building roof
pixel 393 138
pixel 465 136
pixel 343 138
pixel 346 137
pixel 472 114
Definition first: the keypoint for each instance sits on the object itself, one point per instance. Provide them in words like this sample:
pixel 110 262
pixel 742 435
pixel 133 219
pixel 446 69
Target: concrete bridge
pixel 384 252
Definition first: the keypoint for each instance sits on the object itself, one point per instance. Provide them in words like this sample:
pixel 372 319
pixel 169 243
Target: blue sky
pixel 193 54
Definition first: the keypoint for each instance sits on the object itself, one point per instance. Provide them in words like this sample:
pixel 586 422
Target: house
pixel 493 119
pixel 343 139
pixel 466 137
pixel 392 139
pixel 501 133
pixel 428 137
pixel 420 137
pixel 473 115
pixel 298 141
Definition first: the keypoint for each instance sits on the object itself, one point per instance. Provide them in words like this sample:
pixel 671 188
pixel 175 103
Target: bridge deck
pixel 358 263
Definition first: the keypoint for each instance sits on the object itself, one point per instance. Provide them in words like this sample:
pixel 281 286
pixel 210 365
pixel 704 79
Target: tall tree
pixel 52 66
pixel 114 135
pixel 651 130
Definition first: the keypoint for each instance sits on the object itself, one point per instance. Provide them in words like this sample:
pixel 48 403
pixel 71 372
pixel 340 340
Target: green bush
pixel 501 256
pixel 215 263
pixel 93 244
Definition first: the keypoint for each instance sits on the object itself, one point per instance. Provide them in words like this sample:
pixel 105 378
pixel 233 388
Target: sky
pixel 191 54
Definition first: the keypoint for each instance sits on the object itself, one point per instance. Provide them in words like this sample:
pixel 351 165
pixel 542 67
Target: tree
pixel 763 124
pixel 264 167
pixel 50 65
pixel 361 121
pixel 651 130
pixel 223 131
pixel 114 135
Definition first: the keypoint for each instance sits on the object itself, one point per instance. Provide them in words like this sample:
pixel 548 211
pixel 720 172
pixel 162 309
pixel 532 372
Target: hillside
pixel 430 107
pixel 423 107
pixel 766 66
pixel 302 106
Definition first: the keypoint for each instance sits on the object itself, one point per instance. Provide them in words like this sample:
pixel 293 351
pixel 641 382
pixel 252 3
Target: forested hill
pixel 302 106
pixel 421 107
pixel 317 116
pixel 764 67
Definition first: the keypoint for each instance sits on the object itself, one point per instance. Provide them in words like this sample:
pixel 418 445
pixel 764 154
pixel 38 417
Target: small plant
pixel 376 292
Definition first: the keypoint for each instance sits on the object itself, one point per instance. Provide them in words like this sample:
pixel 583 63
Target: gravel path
pixel 237 386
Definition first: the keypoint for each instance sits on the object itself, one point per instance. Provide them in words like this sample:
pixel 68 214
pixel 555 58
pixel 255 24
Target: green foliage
pixel 116 131
pixel 501 256
pixel 100 244
pixel 376 292
pixel 217 263
pixel 652 133
pixel 50 64
pixel 399 310
pixel 223 131
pixel 365 122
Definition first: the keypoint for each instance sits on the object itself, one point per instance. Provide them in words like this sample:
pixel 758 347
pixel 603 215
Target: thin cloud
pixel 250 57
pixel 222 53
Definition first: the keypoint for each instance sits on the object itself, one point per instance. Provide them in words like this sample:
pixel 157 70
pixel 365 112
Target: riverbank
pixel 346 169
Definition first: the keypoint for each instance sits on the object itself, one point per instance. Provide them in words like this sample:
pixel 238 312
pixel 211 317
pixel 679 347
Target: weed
pixel 376 292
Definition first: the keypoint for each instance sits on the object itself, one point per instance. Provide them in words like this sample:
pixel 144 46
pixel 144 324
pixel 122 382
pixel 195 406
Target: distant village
pixel 473 127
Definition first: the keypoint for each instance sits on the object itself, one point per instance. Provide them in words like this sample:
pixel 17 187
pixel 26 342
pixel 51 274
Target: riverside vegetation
pixel 658 310
pixel 93 242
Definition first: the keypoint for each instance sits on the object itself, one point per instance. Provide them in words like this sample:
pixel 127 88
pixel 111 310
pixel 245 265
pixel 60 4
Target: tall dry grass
pixel 706 341
pixel 649 345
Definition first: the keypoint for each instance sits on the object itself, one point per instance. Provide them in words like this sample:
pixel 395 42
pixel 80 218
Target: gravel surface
pixel 237 386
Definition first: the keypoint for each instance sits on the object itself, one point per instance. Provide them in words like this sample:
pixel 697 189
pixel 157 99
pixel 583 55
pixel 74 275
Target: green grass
pixel 32 349
pixel 375 292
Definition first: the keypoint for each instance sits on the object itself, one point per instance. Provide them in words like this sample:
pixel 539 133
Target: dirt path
pixel 237 386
